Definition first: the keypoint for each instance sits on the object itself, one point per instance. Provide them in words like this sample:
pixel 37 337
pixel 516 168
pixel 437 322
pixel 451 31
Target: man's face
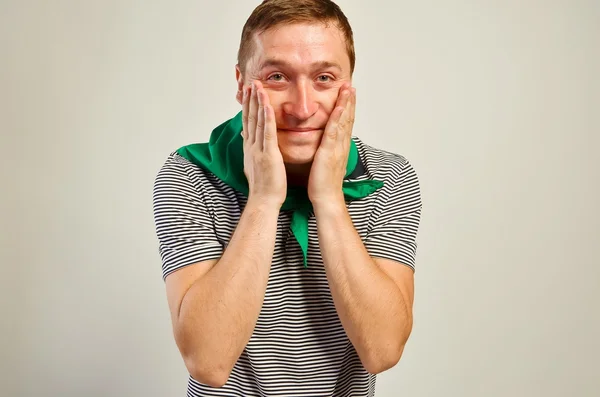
pixel 301 67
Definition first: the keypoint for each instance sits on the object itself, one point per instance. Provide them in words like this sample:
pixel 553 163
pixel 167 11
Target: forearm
pixel 371 307
pixel 219 312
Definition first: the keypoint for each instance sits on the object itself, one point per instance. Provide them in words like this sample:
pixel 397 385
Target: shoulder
pixel 180 183
pixel 392 168
pixel 178 170
pixel 176 165
pixel 180 177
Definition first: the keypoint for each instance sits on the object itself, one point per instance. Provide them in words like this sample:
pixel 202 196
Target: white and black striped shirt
pixel 298 347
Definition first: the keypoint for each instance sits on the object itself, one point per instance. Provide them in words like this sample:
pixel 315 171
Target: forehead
pixel 301 44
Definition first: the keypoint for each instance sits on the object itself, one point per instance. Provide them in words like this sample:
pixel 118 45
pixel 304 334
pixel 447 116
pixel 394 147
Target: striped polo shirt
pixel 298 347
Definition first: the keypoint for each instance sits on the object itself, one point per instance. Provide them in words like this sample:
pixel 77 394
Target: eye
pixel 324 78
pixel 276 77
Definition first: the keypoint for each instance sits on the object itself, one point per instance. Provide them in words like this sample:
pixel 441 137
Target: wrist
pixel 263 204
pixel 331 204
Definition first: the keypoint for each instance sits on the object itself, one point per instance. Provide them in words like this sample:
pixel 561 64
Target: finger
pixel 245 108
pixel 330 134
pixel 252 115
pixel 332 127
pixel 342 101
pixel 271 142
pixel 260 120
pixel 347 119
pixel 346 87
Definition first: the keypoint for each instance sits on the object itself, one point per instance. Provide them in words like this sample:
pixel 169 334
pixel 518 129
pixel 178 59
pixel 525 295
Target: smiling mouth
pixel 299 130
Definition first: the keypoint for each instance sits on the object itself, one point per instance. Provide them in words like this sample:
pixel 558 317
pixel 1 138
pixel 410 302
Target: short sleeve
pixel 394 228
pixel 184 226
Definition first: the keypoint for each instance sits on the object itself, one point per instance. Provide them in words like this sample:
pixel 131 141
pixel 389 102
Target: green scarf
pixel 223 156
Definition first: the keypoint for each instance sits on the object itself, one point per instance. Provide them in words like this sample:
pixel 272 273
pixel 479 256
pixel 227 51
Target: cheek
pixel 275 100
pixel 329 100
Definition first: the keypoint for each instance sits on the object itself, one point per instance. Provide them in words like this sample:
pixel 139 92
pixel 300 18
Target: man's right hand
pixel 263 163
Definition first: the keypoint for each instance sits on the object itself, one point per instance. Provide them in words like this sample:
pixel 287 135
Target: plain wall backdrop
pixel 496 104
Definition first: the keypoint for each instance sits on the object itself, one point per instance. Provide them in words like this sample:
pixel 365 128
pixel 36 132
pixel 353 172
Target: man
pixel 287 243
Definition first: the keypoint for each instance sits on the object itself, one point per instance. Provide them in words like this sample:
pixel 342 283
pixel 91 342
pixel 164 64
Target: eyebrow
pixel 270 62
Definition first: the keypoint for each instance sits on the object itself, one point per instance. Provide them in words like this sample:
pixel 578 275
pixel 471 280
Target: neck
pixel 297 174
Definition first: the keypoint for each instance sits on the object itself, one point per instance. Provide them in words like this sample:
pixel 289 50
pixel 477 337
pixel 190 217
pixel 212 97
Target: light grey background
pixel 496 103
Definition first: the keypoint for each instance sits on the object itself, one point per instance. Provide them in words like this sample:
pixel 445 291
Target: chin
pixel 299 156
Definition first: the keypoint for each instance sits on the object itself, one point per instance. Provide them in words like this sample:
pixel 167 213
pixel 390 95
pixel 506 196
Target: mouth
pixel 300 130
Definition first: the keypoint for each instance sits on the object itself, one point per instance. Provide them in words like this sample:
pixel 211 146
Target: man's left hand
pixel 329 165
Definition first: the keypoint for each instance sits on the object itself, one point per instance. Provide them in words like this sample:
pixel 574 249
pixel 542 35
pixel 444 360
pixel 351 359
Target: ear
pixel 240 84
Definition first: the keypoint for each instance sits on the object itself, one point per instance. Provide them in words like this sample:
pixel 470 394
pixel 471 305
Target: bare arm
pixel 373 297
pixel 214 306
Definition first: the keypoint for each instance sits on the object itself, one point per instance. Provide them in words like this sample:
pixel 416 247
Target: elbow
pixel 205 366
pixel 211 379
pixel 387 352
pixel 378 362
pixel 211 375
pixel 378 366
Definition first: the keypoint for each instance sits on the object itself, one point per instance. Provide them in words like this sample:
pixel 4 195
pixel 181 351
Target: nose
pixel 301 103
